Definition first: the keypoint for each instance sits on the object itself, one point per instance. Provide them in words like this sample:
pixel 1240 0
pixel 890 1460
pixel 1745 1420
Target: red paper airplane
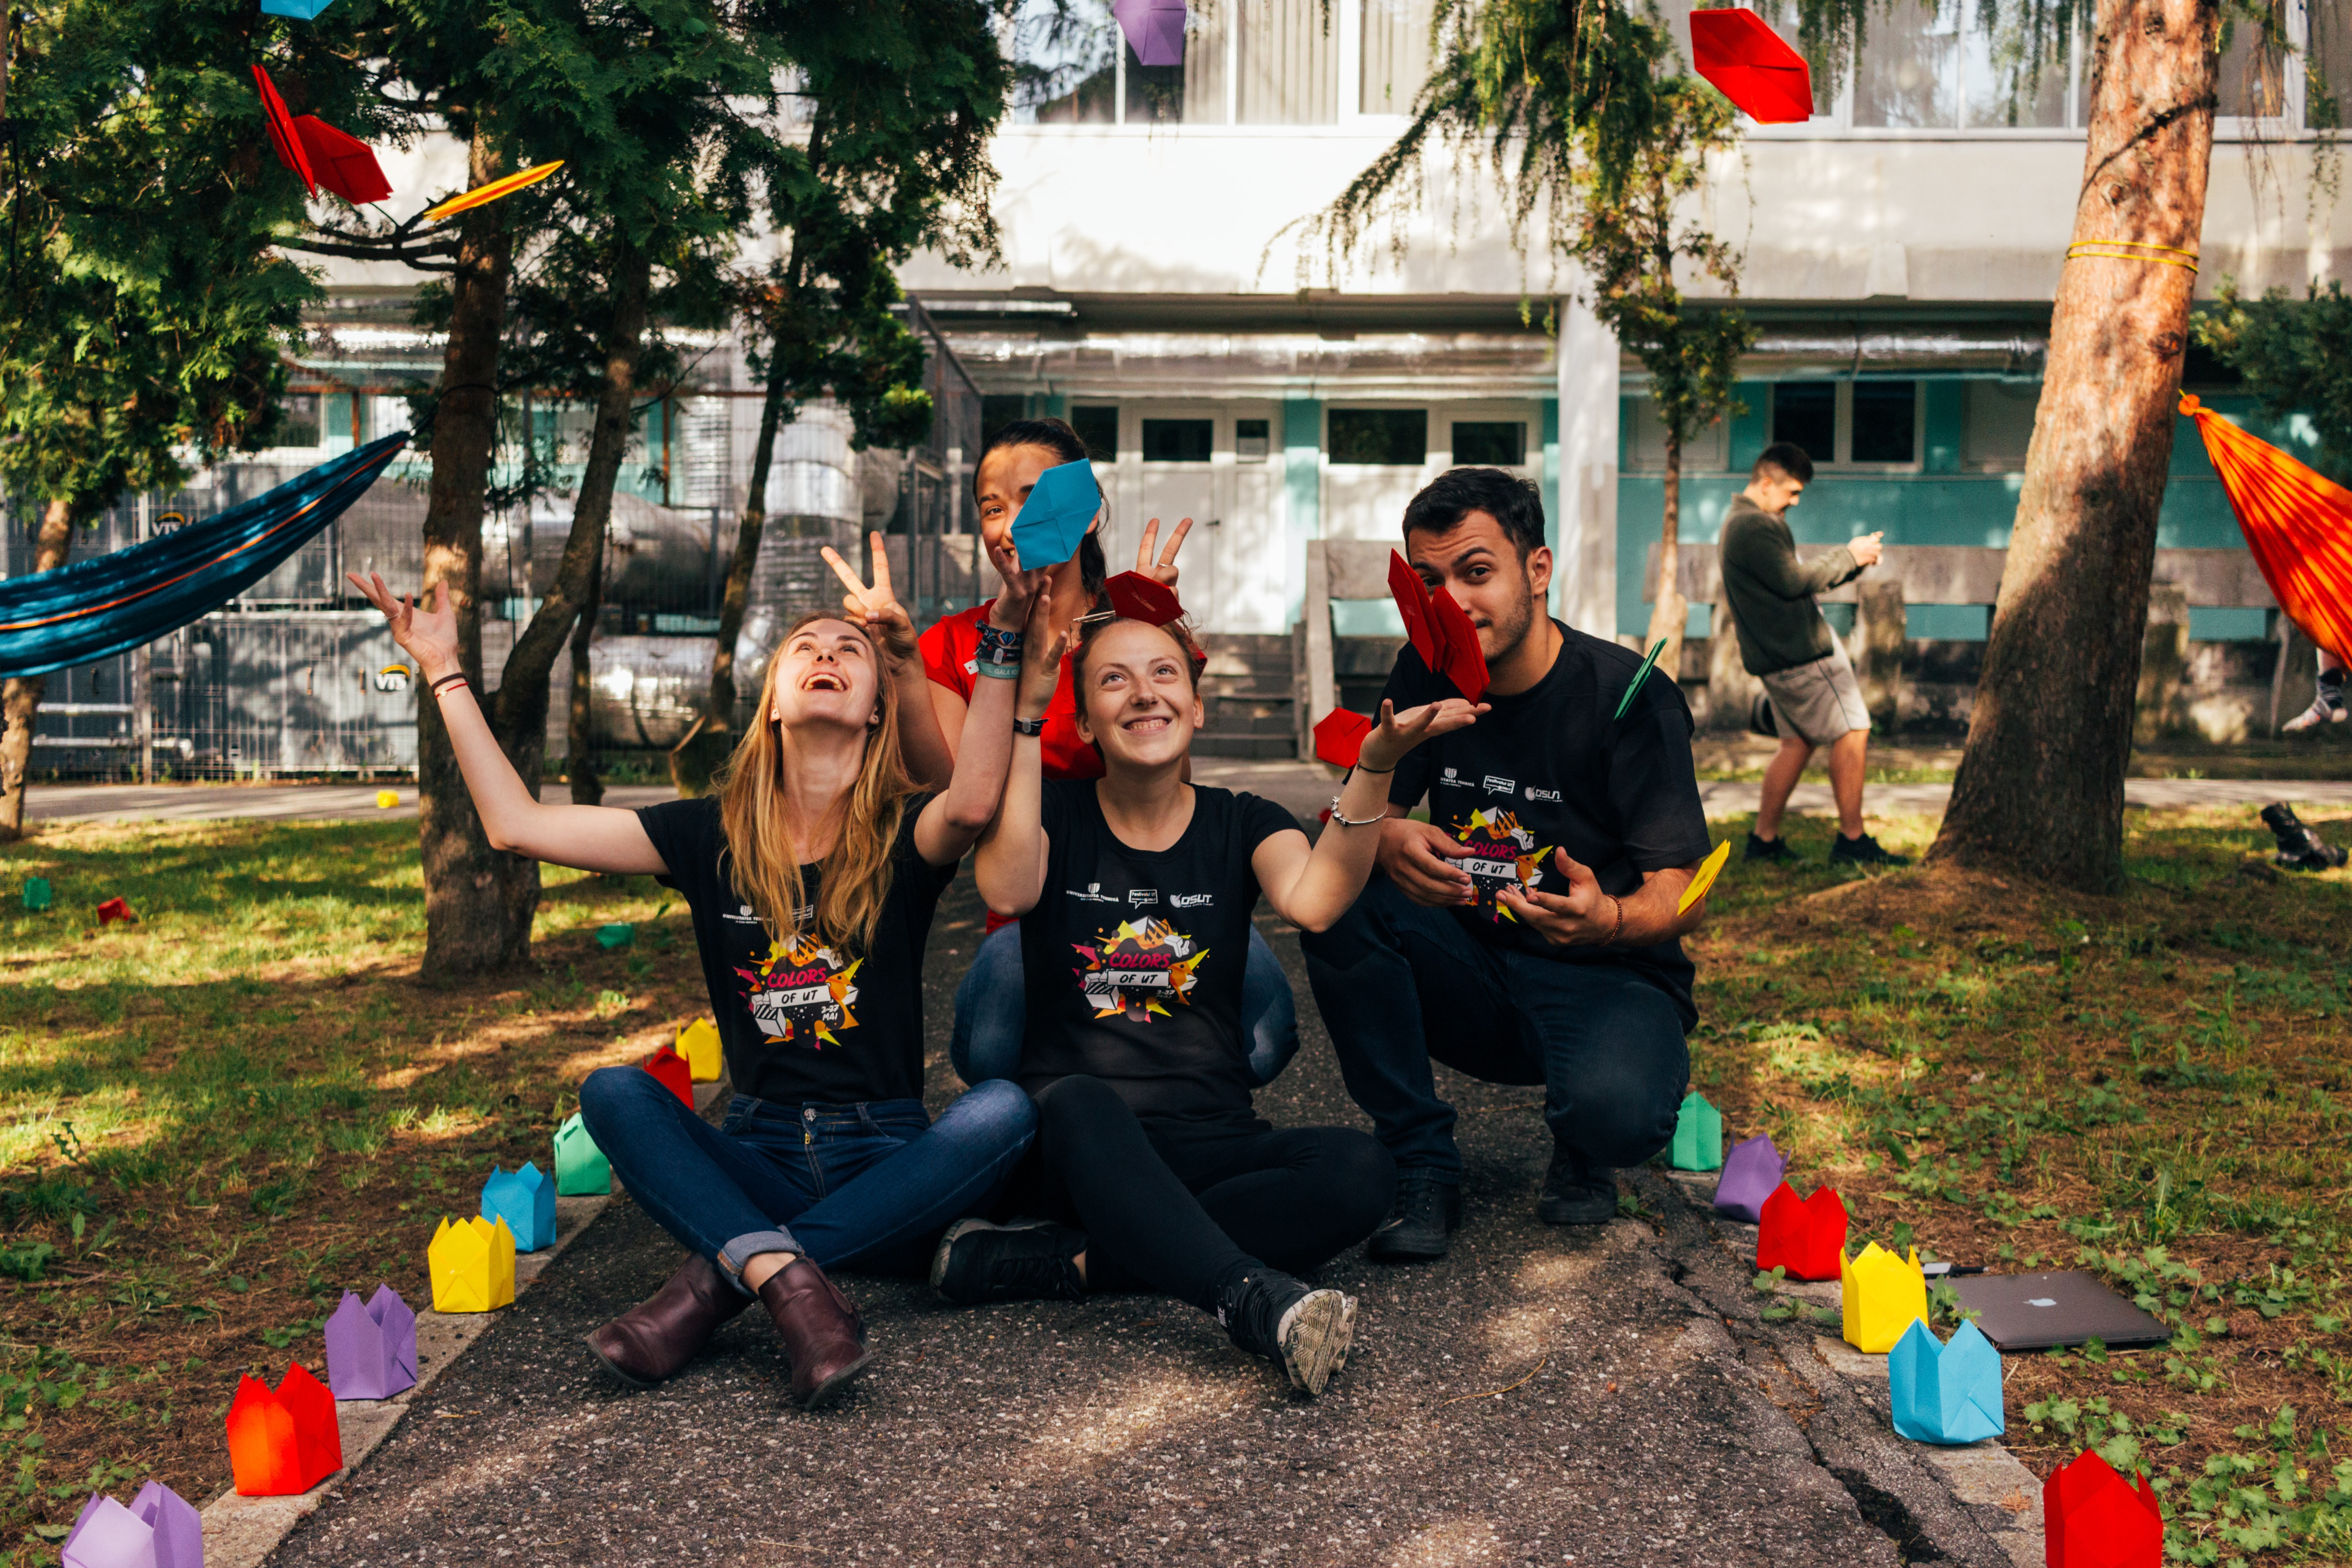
pixel 1142 598
pixel 1749 63
pixel 1439 632
pixel 282 135
pixel 674 1072
pixel 345 164
pixel 1339 736
pixel 2094 1518
pixel 1804 1236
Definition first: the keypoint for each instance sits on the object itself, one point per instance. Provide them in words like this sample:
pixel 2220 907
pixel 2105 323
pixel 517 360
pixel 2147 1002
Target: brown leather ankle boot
pixel 819 1329
pixel 653 1339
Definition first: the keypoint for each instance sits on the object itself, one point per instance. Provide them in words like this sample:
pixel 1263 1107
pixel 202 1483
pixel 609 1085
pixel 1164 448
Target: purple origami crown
pixel 1750 1171
pixel 158 1527
pixel 372 1346
pixel 1154 30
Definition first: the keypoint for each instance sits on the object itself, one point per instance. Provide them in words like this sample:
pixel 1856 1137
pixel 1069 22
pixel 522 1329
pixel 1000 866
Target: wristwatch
pixel 1029 726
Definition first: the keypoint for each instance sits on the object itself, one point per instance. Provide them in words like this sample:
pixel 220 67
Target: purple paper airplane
pixel 1750 1171
pixel 158 1527
pixel 372 1346
pixel 1154 30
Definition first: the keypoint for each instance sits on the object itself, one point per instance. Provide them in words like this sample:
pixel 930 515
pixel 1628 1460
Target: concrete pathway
pixel 1305 787
pixel 1590 1396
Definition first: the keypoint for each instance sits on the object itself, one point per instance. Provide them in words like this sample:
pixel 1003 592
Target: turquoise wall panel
pixel 1302 484
pixel 1552 471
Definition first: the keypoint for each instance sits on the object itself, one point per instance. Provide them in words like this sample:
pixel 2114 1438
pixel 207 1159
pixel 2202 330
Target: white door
pixel 1180 445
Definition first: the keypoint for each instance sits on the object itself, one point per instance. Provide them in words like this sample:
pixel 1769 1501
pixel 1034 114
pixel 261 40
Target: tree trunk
pixel 1669 611
pixel 2040 789
pixel 20 700
pixel 464 932
pixel 519 719
pixel 696 760
pixel 580 761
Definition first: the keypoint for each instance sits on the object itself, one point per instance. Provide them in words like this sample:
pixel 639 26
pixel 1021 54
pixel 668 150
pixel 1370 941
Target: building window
pixel 1705 450
pixel 1065 63
pixel 1097 427
pixel 1804 413
pixel 1289 63
pixel 1395 436
pixel 301 427
pixel 1886 421
pixel 1252 438
pixel 1178 440
pixel 1997 424
pixel 1903 75
pixel 999 410
pixel 1395 55
pixel 1193 90
pixel 1490 443
pixel 2251 80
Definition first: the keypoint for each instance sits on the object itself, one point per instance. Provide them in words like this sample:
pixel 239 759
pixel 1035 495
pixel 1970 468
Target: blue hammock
pixel 55 620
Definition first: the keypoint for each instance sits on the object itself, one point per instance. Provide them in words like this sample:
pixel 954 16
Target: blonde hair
pixel 764 863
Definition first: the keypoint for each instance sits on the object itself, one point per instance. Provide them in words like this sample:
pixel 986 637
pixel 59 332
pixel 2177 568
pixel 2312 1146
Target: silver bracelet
pixel 1352 821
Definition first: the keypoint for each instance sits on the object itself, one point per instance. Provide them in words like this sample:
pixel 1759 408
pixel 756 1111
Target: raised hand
pixel 1583 914
pixel 1041 648
pixel 1163 570
pixel 875 607
pixel 1398 733
pixel 428 637
pixel 1010 611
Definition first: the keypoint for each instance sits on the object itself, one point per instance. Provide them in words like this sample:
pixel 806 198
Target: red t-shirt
pixel 947 651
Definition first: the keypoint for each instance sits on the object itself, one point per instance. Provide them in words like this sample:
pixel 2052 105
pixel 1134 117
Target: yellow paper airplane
pixel 1709 868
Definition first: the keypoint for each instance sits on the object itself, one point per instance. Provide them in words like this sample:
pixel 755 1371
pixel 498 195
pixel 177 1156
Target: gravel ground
pixel 1648 1419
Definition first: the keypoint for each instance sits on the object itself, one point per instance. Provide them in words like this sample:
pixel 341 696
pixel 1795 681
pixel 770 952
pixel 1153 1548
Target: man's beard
pixel 1510 633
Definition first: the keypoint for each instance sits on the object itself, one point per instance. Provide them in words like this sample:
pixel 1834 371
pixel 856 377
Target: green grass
pixel 213 1121
pixel 2157 1086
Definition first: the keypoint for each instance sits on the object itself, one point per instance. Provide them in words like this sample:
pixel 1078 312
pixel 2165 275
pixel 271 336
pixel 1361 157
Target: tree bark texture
pixel 465 932
pixel 580 758
pixel 2040 789
pixel 1669 611
pixel 20 699
pixel 697 759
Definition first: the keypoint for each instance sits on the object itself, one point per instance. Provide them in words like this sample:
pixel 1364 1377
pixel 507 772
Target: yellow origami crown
pixel 1883 1294
pixel 698 1044
pixel 473 1266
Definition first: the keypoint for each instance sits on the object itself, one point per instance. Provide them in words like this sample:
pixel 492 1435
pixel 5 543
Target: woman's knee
pixel 1077 1101
pixel 1362 1175
pixel 610 1094
pixel 995 1111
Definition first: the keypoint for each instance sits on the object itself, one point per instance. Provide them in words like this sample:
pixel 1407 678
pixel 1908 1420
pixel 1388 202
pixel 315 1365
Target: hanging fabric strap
pixel 2297 524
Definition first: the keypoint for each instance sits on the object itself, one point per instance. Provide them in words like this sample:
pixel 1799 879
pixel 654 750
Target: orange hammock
pixel 2298 524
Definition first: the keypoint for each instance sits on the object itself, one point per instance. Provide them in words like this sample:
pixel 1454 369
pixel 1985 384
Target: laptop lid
pixel 2037 1311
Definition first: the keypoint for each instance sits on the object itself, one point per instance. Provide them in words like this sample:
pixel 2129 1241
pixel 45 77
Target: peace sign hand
pixel 1010 611
pixel 1583 914
pixel 1163 570
pixel 876 608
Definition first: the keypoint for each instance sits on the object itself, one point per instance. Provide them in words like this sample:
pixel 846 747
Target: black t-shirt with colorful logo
pixel 1548 768
pixel 805 1022
pixel 1134 957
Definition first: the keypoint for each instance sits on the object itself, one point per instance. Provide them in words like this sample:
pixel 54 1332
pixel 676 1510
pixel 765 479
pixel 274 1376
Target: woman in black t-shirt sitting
pixel 1135 892
pixel 812 876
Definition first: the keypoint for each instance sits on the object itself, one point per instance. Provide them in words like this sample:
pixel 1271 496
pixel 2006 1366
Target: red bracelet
pixel 447 683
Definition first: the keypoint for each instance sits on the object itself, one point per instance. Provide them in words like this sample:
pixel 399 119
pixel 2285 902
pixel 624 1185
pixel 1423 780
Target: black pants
pixel 1176 1207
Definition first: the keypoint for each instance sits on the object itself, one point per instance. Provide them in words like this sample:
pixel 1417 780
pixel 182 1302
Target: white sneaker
pixel 2326 708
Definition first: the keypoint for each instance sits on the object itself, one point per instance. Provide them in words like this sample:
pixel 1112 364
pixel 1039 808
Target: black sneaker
pixel 2299 848
pixel 1307 1332
pixel 1576 1194
pixel 1026 1260
pixel 1770 850
pixel 1427 1210
pixel 1861 851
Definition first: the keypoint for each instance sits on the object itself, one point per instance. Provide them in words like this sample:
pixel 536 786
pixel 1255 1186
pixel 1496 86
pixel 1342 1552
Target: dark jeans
pixel 1177 1207
pixel 858 1185
pixel 1401 985
pixel 992 1010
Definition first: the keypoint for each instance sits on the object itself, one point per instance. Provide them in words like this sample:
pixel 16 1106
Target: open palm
pixel 427 635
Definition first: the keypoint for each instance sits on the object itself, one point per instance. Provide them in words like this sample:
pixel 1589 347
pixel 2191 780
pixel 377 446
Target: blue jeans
pixel 841 1185
pixel 992 1011
pixel 1401 986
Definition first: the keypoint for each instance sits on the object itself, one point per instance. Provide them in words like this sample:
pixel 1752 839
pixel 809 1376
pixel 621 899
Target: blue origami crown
pixel 525 1199
pixel 1945 1393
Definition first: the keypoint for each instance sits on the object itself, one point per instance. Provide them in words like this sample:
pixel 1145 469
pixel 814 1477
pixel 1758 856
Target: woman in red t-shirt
pixel 992 1010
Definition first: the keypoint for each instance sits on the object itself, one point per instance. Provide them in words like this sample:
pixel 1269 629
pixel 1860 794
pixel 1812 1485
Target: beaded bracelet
pixel 997 646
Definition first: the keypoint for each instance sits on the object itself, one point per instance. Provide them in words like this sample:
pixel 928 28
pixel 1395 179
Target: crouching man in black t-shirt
pixel 1527 933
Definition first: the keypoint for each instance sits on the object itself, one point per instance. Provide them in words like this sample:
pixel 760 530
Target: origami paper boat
pixel 1883 1295
pixel 1945 1393
pixel 1750 1171
pixel 283 1441
pixel 1440 633
pixel 1698 1134
pixel 524 1201
pixel 115 909
pixel 159 1529
pixel 372 1346
pixel 473 1266
pixel 698 1044
pixel 1051 522
pixel 581 1168
pixel 2093 1518
pixel 1804 1236
pixel 670 1067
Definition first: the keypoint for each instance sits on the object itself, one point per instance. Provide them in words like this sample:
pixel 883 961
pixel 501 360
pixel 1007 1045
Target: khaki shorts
pixel 1818 702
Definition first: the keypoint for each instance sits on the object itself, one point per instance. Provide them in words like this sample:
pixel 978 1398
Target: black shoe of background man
pixel 2299 848
pixel 1861 851
pixel 1024 1260
pixel 1575 1192
pixel 1426 1213
pixel 1776 849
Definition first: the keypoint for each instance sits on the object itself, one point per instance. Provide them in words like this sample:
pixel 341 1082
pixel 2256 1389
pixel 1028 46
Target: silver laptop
pixel 2037 1311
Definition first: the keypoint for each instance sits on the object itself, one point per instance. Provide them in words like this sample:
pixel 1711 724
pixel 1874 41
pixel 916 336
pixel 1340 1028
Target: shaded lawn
pixel 215 1120
pixel 2157 1086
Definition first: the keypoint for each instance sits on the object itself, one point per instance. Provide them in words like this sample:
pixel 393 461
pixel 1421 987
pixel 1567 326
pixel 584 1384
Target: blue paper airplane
pixel 525 1199
pixel 301 10
pixel 1946 1393
pixel 1054 519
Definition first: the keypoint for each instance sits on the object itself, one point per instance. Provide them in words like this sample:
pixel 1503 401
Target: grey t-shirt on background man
pixel 1771 593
